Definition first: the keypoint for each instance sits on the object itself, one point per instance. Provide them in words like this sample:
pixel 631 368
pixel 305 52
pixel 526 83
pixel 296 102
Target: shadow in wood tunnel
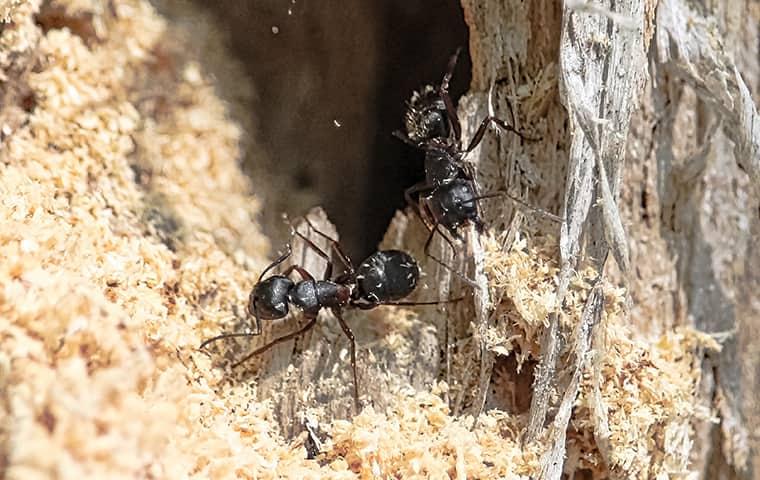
pixel 326 84
pixel 417 40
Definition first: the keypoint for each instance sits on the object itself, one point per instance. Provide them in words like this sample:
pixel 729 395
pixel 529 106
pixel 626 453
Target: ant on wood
pixel 383 278
pixel 448 196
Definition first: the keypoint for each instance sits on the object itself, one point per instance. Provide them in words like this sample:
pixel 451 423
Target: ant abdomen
pixel 426 117
pixel 385 276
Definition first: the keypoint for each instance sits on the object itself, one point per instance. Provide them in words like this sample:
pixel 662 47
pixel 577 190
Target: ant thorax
pixel 441 167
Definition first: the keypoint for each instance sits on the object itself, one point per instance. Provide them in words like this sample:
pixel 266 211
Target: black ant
pixel 383 278
pixel 431 119
pixel 448 196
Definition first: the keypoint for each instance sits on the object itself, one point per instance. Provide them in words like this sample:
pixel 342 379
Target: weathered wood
pixel 710 195
pixel 697 93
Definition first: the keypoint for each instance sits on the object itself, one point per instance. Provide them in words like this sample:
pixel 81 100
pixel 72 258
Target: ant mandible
pixel 383 278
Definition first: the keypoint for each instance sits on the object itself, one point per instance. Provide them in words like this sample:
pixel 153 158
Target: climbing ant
pixel 383 278
pixel 448 196
pixel 431 120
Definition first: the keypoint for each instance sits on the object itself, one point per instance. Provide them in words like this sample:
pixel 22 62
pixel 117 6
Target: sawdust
pixel 129 235
pixel 647 389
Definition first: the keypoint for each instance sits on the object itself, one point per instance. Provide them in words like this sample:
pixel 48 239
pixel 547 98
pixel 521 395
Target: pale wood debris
pixel 128 236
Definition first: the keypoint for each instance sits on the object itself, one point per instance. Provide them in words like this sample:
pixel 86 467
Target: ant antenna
pixel 228 335
pixel 503 193
pixel 334 244
pixel 279 260
pixel 274 342
pixel 450 69
pixel 255 314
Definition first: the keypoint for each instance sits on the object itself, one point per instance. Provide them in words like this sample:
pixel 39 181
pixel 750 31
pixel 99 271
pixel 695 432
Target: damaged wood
pixel 605 65
pixel 102 317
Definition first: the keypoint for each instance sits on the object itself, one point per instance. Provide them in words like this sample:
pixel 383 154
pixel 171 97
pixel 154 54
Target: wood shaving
pixel 129 235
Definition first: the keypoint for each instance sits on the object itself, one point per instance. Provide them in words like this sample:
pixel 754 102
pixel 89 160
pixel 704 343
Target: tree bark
pixel 650 146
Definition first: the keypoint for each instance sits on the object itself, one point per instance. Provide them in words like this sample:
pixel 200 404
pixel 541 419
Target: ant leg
pixel 450 69
pixel 484 124
pixel 451 111
pixel 481 131
pixel 417 188
pixel 335 245
pixel 320 252
pixel 436 228
pixel 284 338
pixel 253 314
pixel 301 271
pixel 509 104
pixel 350 335
pixel 505 126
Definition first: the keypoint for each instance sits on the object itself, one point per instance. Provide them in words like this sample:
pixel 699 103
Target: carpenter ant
pixel 431 122
pixel 383 278
pixel 448 196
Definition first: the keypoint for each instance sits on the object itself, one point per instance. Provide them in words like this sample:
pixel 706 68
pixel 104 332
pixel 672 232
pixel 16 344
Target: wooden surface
pixel 650 148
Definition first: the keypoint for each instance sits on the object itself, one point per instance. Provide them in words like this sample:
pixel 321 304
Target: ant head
pixel 425 118
pixel 385 276
pixel 269 298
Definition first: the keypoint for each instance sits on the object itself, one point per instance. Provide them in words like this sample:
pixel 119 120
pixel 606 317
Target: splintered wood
pixel 128 235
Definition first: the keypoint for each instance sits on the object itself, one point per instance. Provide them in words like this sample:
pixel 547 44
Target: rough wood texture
pixel 128 236
pixel 710 196
pixel 687 197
